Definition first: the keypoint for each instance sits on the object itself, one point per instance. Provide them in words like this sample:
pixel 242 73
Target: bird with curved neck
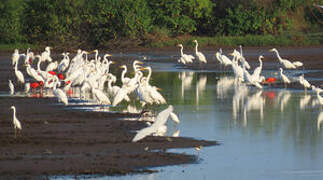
pixel 185 58
pixel 286 63
pixel 46 55
pixel 19 75
pixel 16 123
pixel 284 77
pixel 200 56
pixel 124 79
pixel 257 71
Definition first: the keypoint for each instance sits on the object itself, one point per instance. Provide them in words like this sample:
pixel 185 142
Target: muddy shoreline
pixel 57 141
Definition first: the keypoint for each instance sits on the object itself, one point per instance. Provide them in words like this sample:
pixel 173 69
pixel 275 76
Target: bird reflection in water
pixel 254 102
pixel 319 120
pixel 283 98
pixel 223 85
pixel 240 93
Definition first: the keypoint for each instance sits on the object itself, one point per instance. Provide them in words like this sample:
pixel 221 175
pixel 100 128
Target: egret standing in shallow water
pixel 287 64
pixel 284 77
pixel 15 121
pixel 200 56
pixel 11 88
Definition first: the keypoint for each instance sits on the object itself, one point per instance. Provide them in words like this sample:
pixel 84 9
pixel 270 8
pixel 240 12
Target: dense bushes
pixel 100 22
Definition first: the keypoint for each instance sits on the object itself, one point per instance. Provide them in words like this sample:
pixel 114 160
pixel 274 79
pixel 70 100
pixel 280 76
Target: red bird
pixel 34 85
pixel 270 80
pixel 60 76
pixel 52 72
pixel 30 60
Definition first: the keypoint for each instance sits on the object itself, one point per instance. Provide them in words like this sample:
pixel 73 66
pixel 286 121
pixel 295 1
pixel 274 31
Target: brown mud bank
pixel 57 141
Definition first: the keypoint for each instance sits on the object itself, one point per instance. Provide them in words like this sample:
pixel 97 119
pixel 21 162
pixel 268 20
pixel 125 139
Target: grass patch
pixel 20 46
pixel 286 39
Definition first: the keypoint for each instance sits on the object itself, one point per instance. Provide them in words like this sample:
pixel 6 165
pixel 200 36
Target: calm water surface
pixel 264 134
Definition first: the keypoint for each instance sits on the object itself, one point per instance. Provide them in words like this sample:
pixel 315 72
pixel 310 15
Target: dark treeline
pixel 103 23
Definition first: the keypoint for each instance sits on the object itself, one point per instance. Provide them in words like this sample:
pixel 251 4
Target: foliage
pixel 101 23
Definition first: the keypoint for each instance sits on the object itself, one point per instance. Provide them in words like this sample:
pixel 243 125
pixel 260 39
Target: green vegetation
pixel 158 23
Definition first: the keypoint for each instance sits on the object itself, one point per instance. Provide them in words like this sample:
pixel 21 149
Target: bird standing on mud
pixel 16 123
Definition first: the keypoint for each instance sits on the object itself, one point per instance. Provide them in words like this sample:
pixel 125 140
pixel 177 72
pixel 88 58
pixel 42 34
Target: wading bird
pixel 11 87
pixel 184 57
pixel 15 121
pixel 159 122
pixel 284 77
pixel 286 63
pixel 200 56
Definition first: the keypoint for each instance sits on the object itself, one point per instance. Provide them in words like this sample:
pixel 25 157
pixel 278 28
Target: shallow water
pixel 264 134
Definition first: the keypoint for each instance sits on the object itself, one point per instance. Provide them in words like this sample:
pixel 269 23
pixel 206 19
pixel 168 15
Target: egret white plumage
pixel 15 57
pixel 27 87
pixel 19 75
pixel 45 56
pixel 304 82
pixel 284 77
pixel 11 88
pixel 16 123
pixel 286 63
pixel 60 94
pixel 159 122
pixel 200 56
pixel 185 58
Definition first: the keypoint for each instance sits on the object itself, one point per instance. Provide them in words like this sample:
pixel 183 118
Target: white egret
pixel 52 66
pixel 304 82
pixel 16 123
pixel 11 87
pixel 184 57
pixel 284 77
pixel 62 66
pixel 27 87
pixel 46 55
pixel 19 74
pixel 242 59
pixel 200 56
pixel 249 79
pixel 287 64
pixel 124 79
pixel 60 94
pixel 159 122
pixel 223 59
pixel 257 71
pixel 316 89
pixel 15 57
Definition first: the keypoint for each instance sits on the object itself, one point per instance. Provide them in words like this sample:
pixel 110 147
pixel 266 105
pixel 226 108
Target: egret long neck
pixel 123 74
pixel 149 74
pixel 14 113
pixel 278 56
pixel 182 51
pixel 196 47
pixel 38 64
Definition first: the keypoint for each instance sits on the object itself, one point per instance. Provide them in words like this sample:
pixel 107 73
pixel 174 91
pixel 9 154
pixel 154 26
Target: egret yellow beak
pixel 108 54
pixel 112 62
pixel 121 67
pixel 159 89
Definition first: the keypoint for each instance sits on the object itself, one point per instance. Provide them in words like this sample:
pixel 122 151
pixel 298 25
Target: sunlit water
pixel 264 134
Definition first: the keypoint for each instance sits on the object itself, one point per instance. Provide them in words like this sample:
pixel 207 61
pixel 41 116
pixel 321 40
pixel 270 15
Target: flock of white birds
pixel 91 75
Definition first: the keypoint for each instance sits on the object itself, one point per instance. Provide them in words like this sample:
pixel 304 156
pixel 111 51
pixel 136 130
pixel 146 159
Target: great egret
pixel 257 71
pixel 184 57
pixel 242 59
pixel 284 77
pixel 62 66
pixel 159 122
pixel 124 79
pixel 33 73
pixel 60 94
pixel 223 59
pixel 316 89
pixel 249 79
pixel 287 64
pixel 304 82
pixel 15 57
pixel 27 87
pixel 11 87
pixel 200 56
pixel 52 66
pixel 46 55
pixel 19 74
pixel 16 123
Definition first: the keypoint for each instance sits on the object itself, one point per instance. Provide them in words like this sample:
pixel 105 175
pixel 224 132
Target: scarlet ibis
pixel 52 72
pixel 60 76
pixel 30 60
pixel 34 85
pixel 270 80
